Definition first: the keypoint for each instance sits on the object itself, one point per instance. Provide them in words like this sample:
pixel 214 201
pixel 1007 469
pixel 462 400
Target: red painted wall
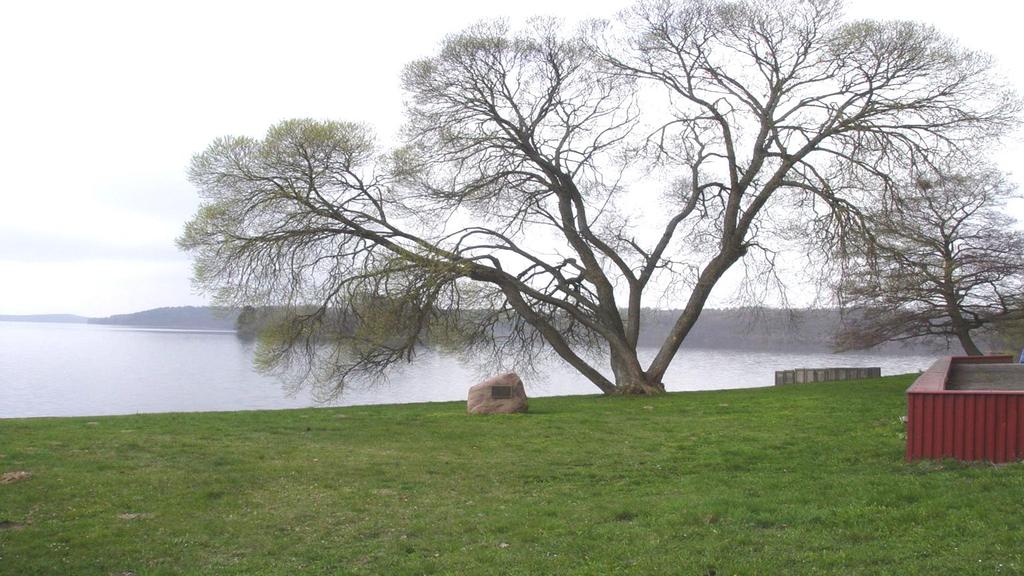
pixel 963 424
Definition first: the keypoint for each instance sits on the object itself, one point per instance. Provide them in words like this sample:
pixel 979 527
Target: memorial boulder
pixel 502 394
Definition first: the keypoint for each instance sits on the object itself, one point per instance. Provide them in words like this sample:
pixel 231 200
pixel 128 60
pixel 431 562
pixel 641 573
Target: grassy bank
pixel 798 480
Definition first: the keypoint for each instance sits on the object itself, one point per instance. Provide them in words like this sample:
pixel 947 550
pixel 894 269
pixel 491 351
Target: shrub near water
pixel 797 480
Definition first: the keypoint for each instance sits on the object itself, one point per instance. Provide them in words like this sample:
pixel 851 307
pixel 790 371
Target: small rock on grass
pixel 504 394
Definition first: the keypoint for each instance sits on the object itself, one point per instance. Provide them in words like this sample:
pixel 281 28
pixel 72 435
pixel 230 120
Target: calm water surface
pixel 86 370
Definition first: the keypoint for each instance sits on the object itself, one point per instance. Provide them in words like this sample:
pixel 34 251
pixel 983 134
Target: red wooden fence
pixel 963 424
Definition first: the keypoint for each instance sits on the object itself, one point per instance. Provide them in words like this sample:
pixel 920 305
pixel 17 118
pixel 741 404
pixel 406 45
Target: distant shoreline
pixel 204 318
pixel 45 318
pixel 752 329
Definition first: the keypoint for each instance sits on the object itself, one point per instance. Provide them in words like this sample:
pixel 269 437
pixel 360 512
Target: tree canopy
pixel 946 261
pixel 508 219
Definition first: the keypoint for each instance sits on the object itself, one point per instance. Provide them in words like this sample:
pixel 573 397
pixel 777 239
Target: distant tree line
pixel 744 328
pixel 177 317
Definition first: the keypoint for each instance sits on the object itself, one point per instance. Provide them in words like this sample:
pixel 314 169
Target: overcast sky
pixel 102 104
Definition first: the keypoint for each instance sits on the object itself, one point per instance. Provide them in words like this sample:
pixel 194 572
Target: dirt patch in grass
pixel 135 515
pixel 16 476
pixel 8 525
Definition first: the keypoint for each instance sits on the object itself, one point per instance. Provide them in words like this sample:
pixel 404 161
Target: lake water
pixel 87 370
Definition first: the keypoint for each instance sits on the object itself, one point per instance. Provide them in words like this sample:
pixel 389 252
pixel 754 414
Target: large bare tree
pixel 508 221
pixel 946 261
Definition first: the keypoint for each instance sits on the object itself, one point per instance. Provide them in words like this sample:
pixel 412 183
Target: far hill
pixel 179 317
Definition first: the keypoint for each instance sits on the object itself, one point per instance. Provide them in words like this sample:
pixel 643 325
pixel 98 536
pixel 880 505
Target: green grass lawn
pixel 799 480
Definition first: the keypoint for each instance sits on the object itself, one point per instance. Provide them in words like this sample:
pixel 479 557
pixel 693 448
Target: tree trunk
pixel 638 387
pixel 630 378
pixel 968 343
pixel 959 325
pixel 694 306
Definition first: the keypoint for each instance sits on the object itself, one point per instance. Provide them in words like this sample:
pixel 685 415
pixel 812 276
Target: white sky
pixel 102 105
